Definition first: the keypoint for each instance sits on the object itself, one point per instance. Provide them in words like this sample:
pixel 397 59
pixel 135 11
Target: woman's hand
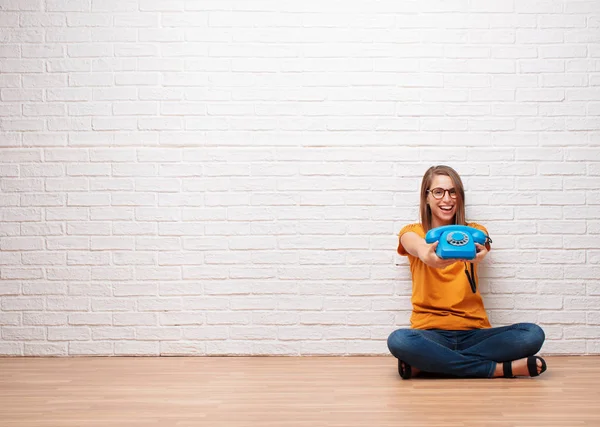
pixel 429 257
pixel 482 251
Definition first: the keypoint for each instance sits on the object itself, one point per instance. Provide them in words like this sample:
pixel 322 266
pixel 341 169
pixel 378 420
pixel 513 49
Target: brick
pixel 22 303
pixel 68 303
pixel 45 349
pixel 43 258
pixel 136 348
pixel 182 348
pixel 135 319
pixel 11 349
pixel 21 273
pixel 72 333
pixel 94 348
pixel 44 319
pixel 15 333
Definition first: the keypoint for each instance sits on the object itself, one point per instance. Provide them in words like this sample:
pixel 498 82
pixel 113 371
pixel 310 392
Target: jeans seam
pixel 433 341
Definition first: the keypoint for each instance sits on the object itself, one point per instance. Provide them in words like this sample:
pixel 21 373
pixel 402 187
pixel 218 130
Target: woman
pixel 450 331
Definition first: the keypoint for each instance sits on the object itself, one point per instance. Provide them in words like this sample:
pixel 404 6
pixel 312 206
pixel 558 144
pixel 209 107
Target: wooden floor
pixel 286 391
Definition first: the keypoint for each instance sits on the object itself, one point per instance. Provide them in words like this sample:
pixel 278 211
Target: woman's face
pixel 443 209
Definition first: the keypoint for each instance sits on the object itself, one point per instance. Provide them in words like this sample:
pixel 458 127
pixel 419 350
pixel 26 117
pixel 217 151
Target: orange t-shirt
pixel 442 298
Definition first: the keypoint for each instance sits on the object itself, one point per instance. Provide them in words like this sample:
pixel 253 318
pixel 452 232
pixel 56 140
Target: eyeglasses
pixel 439 193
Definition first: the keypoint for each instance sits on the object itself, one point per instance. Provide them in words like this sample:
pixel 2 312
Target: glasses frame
pixel 453 196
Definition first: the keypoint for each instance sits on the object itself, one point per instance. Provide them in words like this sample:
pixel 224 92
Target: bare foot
pixel 519 368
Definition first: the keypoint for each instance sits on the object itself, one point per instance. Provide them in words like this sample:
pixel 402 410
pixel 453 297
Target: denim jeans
pixel 471 353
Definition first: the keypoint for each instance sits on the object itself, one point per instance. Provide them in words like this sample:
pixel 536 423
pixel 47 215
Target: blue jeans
pixel 472 353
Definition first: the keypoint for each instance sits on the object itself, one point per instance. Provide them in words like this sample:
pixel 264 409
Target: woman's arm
pixel 417 247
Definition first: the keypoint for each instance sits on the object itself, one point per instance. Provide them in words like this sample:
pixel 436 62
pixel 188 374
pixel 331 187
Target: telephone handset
pixel 456 241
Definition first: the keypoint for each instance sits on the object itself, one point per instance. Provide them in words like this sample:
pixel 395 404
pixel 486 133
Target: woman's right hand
pixel 429 257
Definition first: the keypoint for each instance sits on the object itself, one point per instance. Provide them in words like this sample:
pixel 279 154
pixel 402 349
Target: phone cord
pixel 471 277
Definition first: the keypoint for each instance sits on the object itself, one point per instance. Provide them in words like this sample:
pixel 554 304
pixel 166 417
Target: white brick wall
pixel 209 177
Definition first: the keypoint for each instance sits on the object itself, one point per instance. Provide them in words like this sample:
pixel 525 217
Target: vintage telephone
pixel 458 242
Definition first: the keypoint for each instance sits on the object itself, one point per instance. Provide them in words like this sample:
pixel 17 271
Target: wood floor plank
pixel 286 391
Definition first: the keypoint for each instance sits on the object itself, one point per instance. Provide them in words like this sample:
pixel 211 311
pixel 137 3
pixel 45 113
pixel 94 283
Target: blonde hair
pixel 425 210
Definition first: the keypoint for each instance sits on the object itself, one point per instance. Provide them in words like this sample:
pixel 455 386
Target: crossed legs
pixel 472 353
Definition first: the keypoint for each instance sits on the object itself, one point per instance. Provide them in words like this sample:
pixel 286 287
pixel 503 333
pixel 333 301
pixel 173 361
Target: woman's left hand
pixel 481 253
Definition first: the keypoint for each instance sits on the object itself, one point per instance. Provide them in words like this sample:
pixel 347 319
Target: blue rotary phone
pixel 456 241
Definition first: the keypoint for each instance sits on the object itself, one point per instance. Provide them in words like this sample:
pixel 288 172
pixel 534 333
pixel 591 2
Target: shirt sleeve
pixel 411 227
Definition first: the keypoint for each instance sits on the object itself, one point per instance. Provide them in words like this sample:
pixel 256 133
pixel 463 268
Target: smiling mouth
pixel 446 208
